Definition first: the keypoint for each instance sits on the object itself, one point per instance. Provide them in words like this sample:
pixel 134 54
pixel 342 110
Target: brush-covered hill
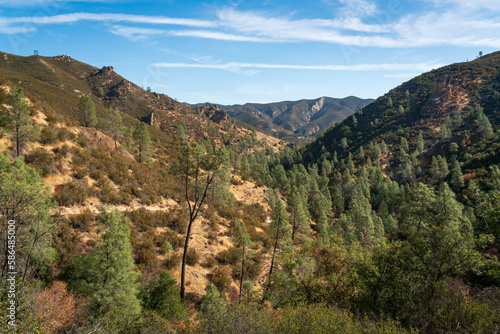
pixel 446 105
pixel 302 118
pixel 87 175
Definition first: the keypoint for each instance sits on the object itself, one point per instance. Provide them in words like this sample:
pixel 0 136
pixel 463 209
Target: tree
pixel 19 123
pixel 457 178
pixel 142 140
pixel 25 201
pixel 483 125
pixel 243 242
pixel 279 230
pixel 162 296
pixel 196 168
pixel 112 123
pixel 343 143
pixel 86 110
pixel 107 274
pixel 299 221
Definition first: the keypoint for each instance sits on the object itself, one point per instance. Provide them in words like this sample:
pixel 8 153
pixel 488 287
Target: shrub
pixel 227 256
pixel 82 221
pixel 209 262
pixel 41 160
pixel 192 257
pixel 71 193
pixel 221 278
pixel 172 260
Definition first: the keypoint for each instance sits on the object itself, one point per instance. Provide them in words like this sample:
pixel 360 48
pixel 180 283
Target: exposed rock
pixel 99 138
pixel 214 113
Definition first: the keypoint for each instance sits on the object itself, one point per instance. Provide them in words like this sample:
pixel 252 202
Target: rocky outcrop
pixel 99 138
pixel 213 113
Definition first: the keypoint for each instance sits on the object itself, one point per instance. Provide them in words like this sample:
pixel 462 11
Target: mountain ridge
pixel 301 117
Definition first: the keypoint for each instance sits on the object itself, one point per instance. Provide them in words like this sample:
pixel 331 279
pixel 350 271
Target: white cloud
pixel 358 8
pixel 216 35
pixel 237 66
pixel 134 33
pixel 107 17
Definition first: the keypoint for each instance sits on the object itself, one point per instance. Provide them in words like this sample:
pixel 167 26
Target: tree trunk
pixel 242 271
pixel 184 256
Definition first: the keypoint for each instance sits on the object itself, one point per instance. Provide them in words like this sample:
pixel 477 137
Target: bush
pixel 172 260
pixel 209 262
pixel 41 160
pixel 220 277
pixel 227 256
pixel 82 221
pixel 192 257
pixel 162 296
pixel 71 193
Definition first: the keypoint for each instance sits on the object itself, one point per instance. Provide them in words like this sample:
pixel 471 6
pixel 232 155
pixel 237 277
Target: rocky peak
pixel 213 113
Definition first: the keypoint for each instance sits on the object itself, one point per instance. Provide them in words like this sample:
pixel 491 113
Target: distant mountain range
pixel 302 117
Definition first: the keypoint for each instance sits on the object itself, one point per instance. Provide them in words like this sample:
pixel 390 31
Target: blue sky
pixel 256 51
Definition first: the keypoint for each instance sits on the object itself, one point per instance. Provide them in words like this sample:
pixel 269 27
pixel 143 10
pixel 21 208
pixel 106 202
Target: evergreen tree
pixel 19 123
pixel 420 143
pixel 483 125
pixel 457 178
pixel 243 242
pixel 106 275
pixel 404 144
pixel 86 110
pixel 298 217
pixel 162 296
pixel 343 143
pixel 25 200
pixel 279 230
pixel 142 140
pixel 112 123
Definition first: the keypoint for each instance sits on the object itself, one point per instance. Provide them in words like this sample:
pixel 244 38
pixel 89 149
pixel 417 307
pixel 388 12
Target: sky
pixel 238 51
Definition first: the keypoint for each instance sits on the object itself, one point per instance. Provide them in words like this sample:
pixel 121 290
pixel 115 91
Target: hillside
pixel 447 98
pixel 87 175
pixel 302 118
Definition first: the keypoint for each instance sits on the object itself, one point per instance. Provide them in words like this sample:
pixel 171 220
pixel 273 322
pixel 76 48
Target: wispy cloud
pixel 442 23
pixel 236 66
pixel 29 3
pixel 104 17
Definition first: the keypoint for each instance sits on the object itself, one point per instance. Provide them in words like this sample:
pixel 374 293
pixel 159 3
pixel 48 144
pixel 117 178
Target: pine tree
pixel 26 201
pixel 107 274
pixel 420 143
pixel 457 178
pixel 484 127
pixel 343 143
pixel 142 140
pixel 19 123
pixel 86 110
pixel 243 242
pixel 279 230
pixel 112 123
pixel 298 217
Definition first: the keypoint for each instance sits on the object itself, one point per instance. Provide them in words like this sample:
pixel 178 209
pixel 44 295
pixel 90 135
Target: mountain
pixel 443 105
pixel 303 117
pixel 57 83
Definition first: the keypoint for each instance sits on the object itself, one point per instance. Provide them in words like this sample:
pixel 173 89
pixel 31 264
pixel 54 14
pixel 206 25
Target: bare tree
pixel 196 167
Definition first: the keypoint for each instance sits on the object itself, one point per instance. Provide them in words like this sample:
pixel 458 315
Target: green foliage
pixel 86 112
pixel 111 122
pixel 106 275
pixel 18 121
pixel 25 200
pixel 162 296
pixel 143 141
